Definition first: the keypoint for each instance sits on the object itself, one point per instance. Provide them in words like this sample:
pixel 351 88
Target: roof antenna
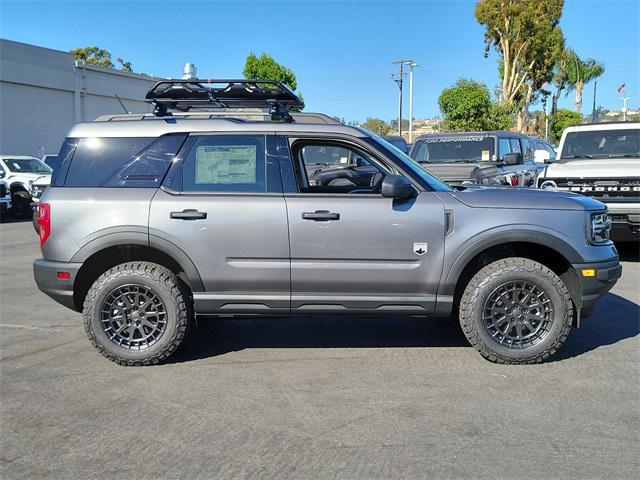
pixel 122 104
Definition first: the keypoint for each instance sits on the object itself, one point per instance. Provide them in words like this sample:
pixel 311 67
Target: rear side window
pixel 225 163
pixel 122 162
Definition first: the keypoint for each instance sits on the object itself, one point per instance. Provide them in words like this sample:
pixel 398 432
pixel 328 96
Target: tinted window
pixel 515 145
pixel 52 161
pixel 65 155
pixel 464 148
pixel 603 144
pixel 122 162
pixel 505 147
pixel 225 163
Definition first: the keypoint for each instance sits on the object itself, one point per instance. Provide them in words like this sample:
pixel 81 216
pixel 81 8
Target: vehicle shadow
pixel 629 251
pixel 614 320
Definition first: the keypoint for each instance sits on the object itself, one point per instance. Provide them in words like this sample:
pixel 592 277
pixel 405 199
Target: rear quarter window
pixel 122 162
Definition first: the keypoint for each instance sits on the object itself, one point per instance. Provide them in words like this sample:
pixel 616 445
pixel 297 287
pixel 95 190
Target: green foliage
pixel 467 106
pixel 265 67
pixel 526 35
pixel 376 125
pixel 564 118
pixel 99 56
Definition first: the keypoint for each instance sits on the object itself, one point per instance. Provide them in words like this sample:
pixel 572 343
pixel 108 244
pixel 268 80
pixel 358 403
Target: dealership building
pixel 43 92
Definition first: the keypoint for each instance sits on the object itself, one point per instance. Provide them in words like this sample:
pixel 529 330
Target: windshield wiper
pixel 624 155
pixel 579 156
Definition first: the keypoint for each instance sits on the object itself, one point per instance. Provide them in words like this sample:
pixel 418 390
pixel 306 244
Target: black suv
pixel 489 158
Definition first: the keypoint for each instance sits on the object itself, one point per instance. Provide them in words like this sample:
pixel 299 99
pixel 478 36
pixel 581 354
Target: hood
pixel 459 171
pixel 29 176
pixel 42 180
pixel 600 168
pixel 525 198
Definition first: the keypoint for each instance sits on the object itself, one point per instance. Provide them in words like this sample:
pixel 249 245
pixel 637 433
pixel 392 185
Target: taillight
pixel 44 221
pixel 514 181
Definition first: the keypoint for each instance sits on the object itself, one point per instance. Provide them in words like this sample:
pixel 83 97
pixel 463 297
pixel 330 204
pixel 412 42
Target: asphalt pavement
pixel 318 397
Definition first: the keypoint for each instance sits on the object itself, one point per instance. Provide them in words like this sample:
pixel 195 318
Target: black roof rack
pixel 197 93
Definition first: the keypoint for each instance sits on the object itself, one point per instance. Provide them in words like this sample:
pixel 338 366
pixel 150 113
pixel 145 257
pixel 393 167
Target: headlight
pixel 600 228
pixel 548 185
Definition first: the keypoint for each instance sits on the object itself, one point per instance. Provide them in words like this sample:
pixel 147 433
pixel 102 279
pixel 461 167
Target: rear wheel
pixel 516 311
pixel 137 313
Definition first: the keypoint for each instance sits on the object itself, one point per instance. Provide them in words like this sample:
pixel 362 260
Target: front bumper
pixel 45 273
pixel 5 204
pixel 606 274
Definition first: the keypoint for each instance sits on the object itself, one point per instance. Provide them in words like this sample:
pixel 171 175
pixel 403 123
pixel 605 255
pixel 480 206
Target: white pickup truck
pixel 601 161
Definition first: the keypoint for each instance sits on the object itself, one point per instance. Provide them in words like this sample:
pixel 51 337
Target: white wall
pixel 42 95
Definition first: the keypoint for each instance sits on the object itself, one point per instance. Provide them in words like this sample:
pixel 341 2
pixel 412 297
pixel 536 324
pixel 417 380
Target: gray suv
pixel 225 202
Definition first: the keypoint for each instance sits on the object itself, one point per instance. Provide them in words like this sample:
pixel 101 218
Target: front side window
pixel 328 167
pixel 226 163
pixel 26 165
pixel 505 147
pixel 602 144
pixel 454 149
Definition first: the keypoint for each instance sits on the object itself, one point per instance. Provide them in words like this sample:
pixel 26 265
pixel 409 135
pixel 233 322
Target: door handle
pixel 189 214
pixel 320 215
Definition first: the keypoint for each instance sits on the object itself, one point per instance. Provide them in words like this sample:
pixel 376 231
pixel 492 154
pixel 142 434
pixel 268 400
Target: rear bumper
pixel 592 288
pixel 45 273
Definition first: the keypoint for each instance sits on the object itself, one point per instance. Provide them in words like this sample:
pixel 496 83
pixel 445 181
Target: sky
pixel 341 52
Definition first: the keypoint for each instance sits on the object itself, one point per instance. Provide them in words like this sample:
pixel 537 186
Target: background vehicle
pixel 397 141
pixel 602 161
pixel 213 213
pixel 5 197
pixel 543 151
pixel 38 186
pixel 20 172
pixel 488 158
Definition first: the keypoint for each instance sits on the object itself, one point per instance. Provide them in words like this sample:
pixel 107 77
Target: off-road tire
pixel 481 286
pixel 166 285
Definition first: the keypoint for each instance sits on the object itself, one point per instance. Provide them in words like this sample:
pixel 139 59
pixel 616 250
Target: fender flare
pixel 503 235
pixel 138 238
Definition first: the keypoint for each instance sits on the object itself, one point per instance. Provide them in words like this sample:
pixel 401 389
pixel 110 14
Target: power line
pixel 399 79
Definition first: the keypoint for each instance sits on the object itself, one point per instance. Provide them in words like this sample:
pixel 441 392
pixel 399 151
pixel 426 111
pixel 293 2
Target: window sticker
pixel 486 155
pixel 226 164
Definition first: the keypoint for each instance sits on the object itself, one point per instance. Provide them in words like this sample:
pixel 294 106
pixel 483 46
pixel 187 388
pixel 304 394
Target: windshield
pixel 602 144
pixel 26 165
pixel 432 181
pixel 463 148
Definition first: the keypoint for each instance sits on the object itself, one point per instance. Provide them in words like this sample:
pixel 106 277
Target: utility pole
pixel 593 112
pixel 399 79
pixel 624 107
pixel 546 118
pixel 412 65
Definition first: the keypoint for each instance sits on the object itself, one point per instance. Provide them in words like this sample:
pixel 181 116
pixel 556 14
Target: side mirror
pixel 514 158
pixel 541 156
pixel 398 187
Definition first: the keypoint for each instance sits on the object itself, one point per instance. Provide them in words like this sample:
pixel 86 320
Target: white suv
pixel 20 172
pixel 602 161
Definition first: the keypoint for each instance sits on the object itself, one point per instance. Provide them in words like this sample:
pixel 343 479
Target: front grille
pixel 605 189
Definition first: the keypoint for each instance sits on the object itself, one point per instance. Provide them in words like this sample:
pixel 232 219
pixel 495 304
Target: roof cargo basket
pixel 184 95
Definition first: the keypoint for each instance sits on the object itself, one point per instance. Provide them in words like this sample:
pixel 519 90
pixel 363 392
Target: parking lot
pixel 312 397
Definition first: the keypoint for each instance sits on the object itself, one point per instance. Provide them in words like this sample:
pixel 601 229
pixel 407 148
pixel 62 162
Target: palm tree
pixel 579 73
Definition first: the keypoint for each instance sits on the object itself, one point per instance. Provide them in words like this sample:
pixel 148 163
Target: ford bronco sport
pixel 224 202
pixel 602 161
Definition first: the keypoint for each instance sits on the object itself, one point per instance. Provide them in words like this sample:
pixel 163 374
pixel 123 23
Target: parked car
pixel 5 197
pixel 486 158
pixel 19 173
pixel 153 218
pixel 398 142
pixel 602 161
pixel 543 151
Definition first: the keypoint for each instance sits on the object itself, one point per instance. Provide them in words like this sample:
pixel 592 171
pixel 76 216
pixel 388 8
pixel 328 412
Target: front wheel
pixel 516 311
pixel 137 313
pixel 21 206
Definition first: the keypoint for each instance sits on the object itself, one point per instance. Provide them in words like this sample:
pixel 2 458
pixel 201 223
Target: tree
pixel 467 106
pixel 376 125
pixel 265 67
pixel 525 34
pixel 565 118
pixel 98 56
pixel 579 73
